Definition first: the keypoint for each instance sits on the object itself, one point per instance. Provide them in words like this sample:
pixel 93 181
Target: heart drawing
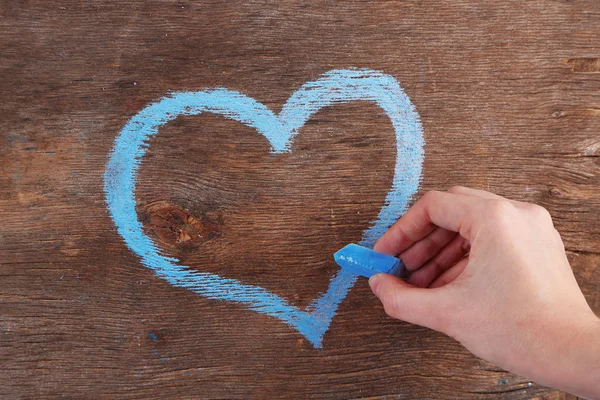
pixel 334 87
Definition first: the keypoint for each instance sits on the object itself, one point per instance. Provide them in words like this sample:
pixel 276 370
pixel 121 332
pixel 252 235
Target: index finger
pixel 443 209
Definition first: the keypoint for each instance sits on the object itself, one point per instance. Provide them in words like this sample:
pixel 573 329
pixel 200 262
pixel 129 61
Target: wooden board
pixel 509 99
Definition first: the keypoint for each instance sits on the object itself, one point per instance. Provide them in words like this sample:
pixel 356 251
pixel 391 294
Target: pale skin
pixel 493 274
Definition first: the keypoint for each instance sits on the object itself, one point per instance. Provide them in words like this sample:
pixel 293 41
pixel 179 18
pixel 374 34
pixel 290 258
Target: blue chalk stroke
pixel 334 87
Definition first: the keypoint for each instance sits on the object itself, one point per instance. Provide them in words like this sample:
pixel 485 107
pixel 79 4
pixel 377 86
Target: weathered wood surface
pixel 509 96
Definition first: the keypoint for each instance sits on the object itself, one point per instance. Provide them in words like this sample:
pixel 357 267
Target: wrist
pixel 570 358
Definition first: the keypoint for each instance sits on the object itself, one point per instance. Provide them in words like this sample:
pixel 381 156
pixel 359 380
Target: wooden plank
pixel 508 98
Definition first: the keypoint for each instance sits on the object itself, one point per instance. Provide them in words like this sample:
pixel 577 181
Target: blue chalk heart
pixel 334 87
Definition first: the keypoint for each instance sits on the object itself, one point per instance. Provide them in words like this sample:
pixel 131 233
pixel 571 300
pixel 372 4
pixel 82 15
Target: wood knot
pixel 175 227
pixel 556 192
pixel 586 65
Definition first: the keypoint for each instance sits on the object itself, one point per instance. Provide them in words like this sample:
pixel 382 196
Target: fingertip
pixel 374 283
pixel 377 246
pixel 382 245
pixel 383 284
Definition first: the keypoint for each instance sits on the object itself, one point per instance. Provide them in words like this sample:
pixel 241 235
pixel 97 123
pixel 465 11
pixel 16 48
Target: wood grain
pixel 509 97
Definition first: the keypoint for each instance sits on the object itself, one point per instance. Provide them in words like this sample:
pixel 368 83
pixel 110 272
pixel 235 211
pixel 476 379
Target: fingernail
pixel 374 283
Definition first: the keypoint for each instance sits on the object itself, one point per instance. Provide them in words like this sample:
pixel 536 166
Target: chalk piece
pixel 366 262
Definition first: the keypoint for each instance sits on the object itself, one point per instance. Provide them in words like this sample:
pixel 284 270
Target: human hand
pixel 492 273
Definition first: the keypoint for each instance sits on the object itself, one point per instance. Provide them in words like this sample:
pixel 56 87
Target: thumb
pixel 419 306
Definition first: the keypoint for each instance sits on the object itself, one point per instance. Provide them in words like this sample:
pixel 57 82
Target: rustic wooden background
pixel 509 96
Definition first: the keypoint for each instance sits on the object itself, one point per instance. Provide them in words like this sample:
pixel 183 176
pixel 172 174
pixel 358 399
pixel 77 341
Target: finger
pixel 450 211
pixel 426 248
pixel 450 255
pixel 486 195
pixel 404 233
pixel 474 192
pixel 408 303
pixel 450 275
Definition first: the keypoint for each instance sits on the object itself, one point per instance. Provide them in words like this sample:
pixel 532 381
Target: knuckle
pixel 456 189
pixel 391 305
pixel 498 215
pixel 437 266
pixel 539 212
pixel 435 242
pixel 430 195
pixel 499 209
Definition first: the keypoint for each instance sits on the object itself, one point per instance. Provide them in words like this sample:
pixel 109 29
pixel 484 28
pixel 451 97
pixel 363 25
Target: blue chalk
pixel 365 262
